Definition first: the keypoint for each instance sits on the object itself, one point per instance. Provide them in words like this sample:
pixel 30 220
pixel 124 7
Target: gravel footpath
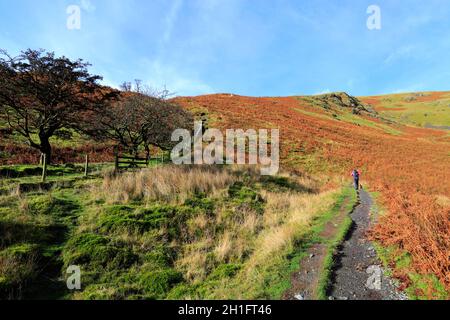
pixel 358 273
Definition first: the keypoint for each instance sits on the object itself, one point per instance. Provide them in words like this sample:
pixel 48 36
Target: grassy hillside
pixel 384 113
pixel 162 233
pixel 235 226
pixel 332 134
pixel 424 109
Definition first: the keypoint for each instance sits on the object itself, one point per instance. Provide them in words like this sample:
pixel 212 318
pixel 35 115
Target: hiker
pixel 356 174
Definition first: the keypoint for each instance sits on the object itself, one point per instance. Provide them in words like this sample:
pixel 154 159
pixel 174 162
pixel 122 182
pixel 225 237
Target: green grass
pixel 126 272
pixel 333 244
pixel 132 250
pixel 57 171
pixel 33 229
pixel 30 170
pixel 415 112
pixel 68 138
pixel 27 177
pixel 290 263
pixel 353 119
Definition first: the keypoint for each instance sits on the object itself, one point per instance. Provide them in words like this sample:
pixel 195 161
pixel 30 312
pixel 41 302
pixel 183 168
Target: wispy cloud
pixel 171 19
pixel 322 92
pixel 247 47
pixel 411 88
pixel 399 54
pixel 87 5
pixel 158 74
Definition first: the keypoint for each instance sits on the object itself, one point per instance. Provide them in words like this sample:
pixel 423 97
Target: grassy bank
pixel 160 233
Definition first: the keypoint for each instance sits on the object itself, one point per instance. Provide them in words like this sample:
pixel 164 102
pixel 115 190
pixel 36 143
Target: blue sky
pixel 248 47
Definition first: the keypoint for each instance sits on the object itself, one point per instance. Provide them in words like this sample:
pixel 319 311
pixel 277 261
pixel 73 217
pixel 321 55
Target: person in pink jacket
pixel 356 175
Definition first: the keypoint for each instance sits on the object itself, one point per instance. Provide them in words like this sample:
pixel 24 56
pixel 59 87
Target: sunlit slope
pixel 334 133
pixel 425 109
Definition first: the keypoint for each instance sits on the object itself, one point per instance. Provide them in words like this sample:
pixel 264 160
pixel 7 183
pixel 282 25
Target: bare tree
pixel 139 87
pixel 41 94
pixel 126 86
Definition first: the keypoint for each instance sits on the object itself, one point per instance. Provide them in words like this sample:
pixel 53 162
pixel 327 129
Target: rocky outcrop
pixel 333 101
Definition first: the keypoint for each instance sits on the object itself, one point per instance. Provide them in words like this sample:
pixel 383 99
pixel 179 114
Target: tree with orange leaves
pixel 41 94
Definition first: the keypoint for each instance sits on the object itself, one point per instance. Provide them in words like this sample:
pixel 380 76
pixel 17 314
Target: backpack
pixel 356 174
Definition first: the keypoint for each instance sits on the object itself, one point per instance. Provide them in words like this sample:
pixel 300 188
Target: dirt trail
pixel 305 282
pixel 358 274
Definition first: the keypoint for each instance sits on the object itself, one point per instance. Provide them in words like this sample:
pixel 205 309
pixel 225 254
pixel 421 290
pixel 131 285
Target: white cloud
pixel 323 92
pixel 171 19
pixel 411 88
pixel 159 75
pixel 398 54
pixel 87 5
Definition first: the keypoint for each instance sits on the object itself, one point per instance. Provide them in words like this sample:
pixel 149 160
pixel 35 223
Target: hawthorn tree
pixel 41 94
pixel 140 120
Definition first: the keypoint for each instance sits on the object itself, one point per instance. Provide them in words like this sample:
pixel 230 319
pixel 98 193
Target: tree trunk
pixel 135 152
pixel 46 148
pixel 147 153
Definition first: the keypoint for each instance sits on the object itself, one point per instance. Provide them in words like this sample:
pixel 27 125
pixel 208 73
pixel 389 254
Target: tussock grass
pixel 286 222
pixel 18 265
pixel 168 183
pixel 172 232
pixel 227 230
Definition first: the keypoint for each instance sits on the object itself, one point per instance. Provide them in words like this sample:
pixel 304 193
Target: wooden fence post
pixel 44 167
pixel 86 166
pixel 116 159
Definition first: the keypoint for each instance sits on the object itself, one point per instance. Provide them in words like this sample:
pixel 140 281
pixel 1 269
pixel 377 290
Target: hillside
pixel 407 165
pixel 164 232
pixel 323 138
pixel 424 109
